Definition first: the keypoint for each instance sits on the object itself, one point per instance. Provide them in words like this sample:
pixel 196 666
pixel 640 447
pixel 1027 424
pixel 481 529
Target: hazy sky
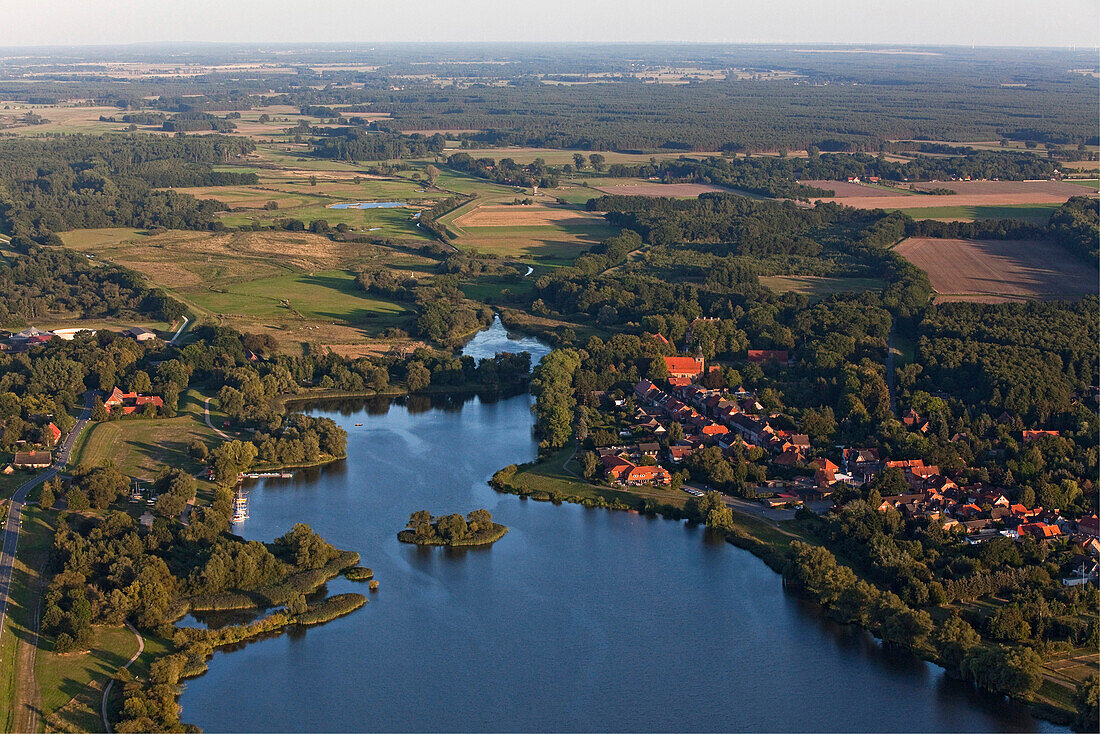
pixel 982 22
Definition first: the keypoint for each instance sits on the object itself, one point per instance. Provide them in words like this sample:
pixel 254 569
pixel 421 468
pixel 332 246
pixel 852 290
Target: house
pixel 1030 436
pixel 638 475
pixel 689 367
pixel 679 452
pixel 760 356
pixel 139 334
pixel 130 402
pixel 1040 530
pixel 146 520
pixel 55 434
pixel 32 459
pixel 911 418
pixel 1089 526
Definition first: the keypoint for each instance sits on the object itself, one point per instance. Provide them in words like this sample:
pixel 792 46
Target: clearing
pixel 543 231
pixel 672 190
pixel 999 270
pixel 817 287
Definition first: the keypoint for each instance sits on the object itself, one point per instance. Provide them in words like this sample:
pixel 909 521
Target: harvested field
pixel 844 190
pixel 524 216
pixel 661 190
pixel 968 194
pixel 992 271
pixel 990 188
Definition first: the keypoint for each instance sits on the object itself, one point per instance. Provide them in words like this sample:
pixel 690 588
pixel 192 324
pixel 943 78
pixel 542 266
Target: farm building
pixel 32 459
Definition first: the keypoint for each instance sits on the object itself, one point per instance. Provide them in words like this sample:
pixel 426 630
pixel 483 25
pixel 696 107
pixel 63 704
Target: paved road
pixel 10 533
pixel 179 333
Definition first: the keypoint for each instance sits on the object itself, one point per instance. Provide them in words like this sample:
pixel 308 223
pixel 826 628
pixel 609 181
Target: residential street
pixel 15 513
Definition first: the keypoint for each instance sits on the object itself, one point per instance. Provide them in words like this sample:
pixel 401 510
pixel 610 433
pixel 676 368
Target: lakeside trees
pixel 476 528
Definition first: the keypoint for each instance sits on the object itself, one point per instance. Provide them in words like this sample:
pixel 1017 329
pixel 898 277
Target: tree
pixel 432 174
pixel 47 495
pixel 578 161
pixel 590 464
pixel 953 640
pixel 597 162
pixel 1087 702
pixel 418 377
pixel 658 369
pixel 452 527
pixel 479 521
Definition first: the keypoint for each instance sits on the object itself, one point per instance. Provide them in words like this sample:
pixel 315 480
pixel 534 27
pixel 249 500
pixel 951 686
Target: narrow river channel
pixel 578 620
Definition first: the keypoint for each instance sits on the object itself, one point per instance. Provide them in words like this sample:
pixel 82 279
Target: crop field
pixel 1035 213
pixel 991 271
pixel 541 231
pixel 672 190
pixel 845 189
pixel 972 200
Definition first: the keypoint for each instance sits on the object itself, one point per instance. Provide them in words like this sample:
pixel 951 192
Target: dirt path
pixel 111 682
pixel 206 415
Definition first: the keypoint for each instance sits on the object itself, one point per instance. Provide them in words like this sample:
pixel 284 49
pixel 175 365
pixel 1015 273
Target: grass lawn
pixel 141 447
pixel 1038 213
pixel 1091 183
pixel 818 287
pixel 326 295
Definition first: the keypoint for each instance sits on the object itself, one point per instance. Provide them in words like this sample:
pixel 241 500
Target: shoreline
pixel 768 553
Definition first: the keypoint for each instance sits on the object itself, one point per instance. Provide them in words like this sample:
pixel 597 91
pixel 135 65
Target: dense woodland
pixel 55 184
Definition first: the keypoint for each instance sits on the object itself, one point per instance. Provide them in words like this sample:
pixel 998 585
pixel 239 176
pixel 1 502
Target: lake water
pixel 577 620
pixel 368 205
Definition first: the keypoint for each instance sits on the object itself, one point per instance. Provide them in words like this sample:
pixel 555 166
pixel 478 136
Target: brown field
pixel 991 271
pixel 524 216
pixel 968 193
pixel 992 188
pixel 660 189
pixel 845 190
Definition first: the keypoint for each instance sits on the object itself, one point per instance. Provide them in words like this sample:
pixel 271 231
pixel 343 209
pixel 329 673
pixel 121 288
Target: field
pixel 141 447
pixel 543 232
pixel 1032 200
pixel 675 190
pixel 845 190
pixel 817 287
pixel 999 270
pixel 298 287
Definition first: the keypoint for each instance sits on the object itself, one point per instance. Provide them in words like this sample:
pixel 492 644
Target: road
pixel 179 333
pixel 15 513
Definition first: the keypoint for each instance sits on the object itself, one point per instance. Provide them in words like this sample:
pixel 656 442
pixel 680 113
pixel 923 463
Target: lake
pixel 577 620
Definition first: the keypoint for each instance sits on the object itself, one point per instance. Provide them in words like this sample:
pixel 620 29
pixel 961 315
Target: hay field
pixel 507 215
pixel 992 271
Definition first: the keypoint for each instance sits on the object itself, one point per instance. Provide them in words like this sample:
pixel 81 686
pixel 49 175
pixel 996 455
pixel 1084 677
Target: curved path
pixel 206 415
pixel 10 533
pixel 111 681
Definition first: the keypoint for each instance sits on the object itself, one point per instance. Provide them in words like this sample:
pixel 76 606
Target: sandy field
pixel 968 193
pixel 845 190
pixel 999 270
pixel 659 189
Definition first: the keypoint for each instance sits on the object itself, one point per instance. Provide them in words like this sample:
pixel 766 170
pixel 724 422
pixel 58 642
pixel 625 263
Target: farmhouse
pixel 32 459
pixel 760 356
pixel 129 402
pixel 1030 436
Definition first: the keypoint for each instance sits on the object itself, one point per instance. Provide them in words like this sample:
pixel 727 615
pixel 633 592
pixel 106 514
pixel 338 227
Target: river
pixel 577 620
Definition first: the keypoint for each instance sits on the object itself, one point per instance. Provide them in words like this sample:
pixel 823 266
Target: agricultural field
pixel 542 232
pixel 847 189
pixel 1032 200
pixel 650 188
pixel 991 271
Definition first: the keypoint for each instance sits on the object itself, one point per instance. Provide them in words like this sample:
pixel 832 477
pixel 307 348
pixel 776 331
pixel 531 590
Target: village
pixel 673 420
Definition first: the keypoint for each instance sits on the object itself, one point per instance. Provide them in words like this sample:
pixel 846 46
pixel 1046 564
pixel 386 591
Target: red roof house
pixel 691 367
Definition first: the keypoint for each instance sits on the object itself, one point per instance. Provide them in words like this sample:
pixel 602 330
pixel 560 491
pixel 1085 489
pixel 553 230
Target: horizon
pixel 982 23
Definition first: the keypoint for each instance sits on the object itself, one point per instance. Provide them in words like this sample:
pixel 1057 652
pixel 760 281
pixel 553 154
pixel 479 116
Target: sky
pixel 917 22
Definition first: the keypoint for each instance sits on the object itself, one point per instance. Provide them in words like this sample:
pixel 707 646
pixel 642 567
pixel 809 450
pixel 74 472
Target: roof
pixel 32 458
pixel 689 365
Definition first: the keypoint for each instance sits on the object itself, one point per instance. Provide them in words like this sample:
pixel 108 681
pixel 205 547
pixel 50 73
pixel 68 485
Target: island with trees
pixel 477 528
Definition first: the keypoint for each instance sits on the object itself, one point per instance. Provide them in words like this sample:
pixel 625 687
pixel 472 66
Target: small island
pixel 477 528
